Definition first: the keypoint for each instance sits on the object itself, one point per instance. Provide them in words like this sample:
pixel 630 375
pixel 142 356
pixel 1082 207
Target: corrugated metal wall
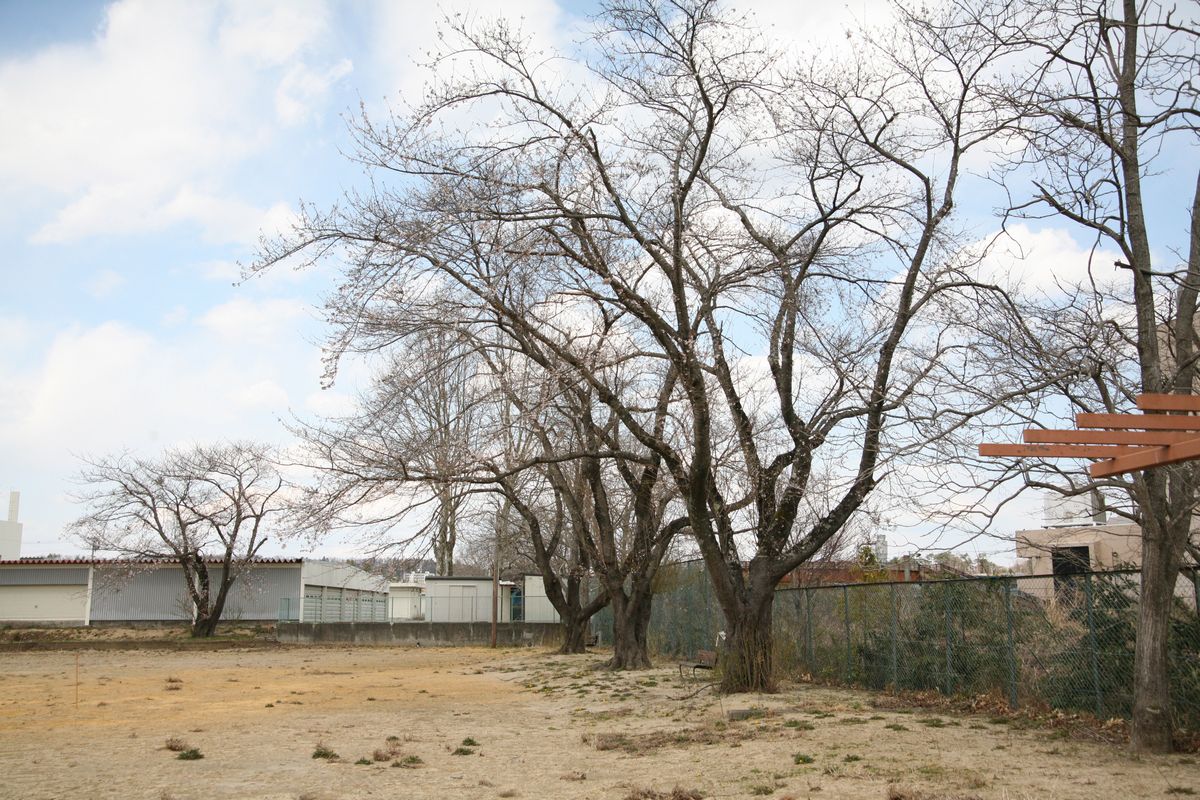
pixel 335 604
pixel 153 593
pixel 44 576
pixel 160 594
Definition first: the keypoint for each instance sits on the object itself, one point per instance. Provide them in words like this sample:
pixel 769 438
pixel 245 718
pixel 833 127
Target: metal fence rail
pixel 1063 641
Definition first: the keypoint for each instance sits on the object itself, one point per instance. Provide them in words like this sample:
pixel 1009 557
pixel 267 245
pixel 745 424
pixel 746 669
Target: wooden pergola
pixel 1120 443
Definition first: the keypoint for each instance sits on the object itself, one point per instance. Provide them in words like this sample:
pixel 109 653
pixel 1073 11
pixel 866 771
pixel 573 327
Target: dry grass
pixel 678 793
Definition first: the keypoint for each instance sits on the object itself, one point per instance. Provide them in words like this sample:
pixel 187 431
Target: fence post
pixel 846 615
pixel 895 624
pixel 1196 588
pixel 808 643
pixel 1087 591
pixel 1012 654
pixel 949 686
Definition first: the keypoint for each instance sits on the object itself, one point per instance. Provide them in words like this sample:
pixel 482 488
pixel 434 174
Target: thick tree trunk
pixel 1152 718
pixel 631 622
pixel 575 631
pixel 747 665
pixel 205 625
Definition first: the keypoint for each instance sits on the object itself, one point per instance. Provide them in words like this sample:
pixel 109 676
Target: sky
pixel 145 145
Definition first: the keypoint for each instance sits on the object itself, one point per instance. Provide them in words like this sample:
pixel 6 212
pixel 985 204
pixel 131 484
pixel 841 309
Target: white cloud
pixel 139 128
pixel 1042 261
pixel 105 283
pixel 255 323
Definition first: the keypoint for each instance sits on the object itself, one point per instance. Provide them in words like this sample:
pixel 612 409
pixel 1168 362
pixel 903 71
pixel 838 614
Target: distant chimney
pixel 10 530
pixel 881 548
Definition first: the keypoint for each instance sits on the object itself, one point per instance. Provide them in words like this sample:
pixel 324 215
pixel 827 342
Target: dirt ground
pixel 474 723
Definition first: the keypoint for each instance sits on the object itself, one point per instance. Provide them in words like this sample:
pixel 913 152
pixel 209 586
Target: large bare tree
pixel 774 243
pixel 1103 110
pixel 208 508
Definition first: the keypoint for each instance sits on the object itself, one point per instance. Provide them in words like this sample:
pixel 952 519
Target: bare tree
pixel 1105 98
pixel 417 419
pixel 770 246
pixel 207 508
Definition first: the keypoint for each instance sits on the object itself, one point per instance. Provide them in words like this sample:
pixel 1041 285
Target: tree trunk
pixel 1152 718
pixel 205 624
pixel 631 621
pixel 575 631
pixel 747 664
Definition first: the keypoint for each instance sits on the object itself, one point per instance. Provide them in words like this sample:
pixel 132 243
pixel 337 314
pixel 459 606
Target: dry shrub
pixel 678 793
pixel 177 745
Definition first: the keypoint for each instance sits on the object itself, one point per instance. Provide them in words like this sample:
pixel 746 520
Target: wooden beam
pixel 1057 450
pixel 1169 402
pixel 1041 436
pixel 1144 422
pixel 1148 459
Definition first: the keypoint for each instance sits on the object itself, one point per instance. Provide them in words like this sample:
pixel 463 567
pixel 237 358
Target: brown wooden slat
pixel 1169 402
pixel 1147 459
pixel 1056 450
pixel 1148 438
pixel 1152 422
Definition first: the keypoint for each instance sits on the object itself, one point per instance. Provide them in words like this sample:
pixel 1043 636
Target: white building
pixel 405 601
pixel 453 599
pixel 538 607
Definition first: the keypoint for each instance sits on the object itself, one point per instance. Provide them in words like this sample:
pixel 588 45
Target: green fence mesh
pixel 1062 641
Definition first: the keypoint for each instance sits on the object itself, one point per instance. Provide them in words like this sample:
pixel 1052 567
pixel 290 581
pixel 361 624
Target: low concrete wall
pixel 508 634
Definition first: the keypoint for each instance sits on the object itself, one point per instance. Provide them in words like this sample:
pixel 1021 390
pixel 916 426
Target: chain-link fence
pixel 1065 641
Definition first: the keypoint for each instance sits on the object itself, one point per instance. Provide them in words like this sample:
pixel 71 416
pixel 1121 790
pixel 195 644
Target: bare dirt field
pixel 474 723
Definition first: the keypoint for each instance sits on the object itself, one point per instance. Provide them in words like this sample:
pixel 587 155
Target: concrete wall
pixel 508 634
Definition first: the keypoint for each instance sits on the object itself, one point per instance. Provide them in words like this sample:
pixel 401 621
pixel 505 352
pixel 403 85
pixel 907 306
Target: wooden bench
pixel 705 659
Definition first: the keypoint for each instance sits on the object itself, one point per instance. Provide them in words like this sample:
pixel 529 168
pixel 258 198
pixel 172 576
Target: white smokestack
pixel 10 530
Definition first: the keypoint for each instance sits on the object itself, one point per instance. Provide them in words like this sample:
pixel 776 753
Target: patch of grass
pixel 896 726
pixel 851 758
pixel 409 762
pixel 802 758
pixel 270 705
pixel 469 742
pixel 321 751
pixel 852 721
pixel 999 720
pixel 800 725
pixel 762 789
pixel 191 754
pixel 177 745
pixel 364 761
pixel 462 751
pixel 382 755
pixel 507 793
pixel 1180 790
pixel 933 722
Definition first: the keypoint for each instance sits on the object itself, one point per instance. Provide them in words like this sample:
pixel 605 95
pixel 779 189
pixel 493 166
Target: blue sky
pixel 144 145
